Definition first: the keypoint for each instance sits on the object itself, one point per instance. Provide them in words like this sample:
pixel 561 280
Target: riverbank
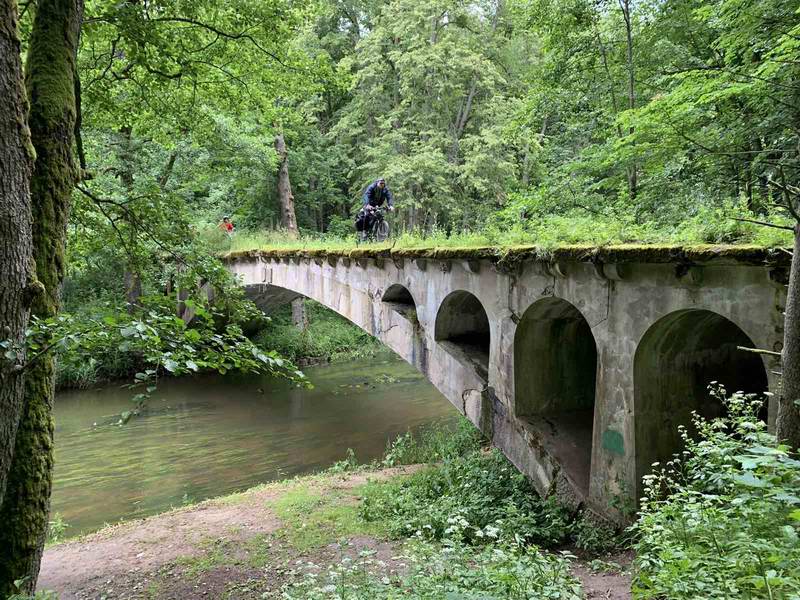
pixel 282 540
pixel 328 337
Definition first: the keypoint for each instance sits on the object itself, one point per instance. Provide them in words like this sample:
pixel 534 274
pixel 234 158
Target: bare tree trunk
pixel 133 290
pixel 50 73
pixel 288 218
pixel 299 314
pixel 462 119
pixel 16 244
pixel 167 172
pixel 788 422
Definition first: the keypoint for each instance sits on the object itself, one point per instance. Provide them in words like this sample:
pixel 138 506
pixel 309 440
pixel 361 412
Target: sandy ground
pixel 231 548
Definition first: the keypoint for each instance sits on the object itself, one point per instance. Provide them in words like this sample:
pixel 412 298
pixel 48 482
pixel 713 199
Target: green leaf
pixel 750 480
pixel 170 365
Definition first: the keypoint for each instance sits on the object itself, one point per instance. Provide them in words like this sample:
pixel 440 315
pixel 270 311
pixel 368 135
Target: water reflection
pixel 212 435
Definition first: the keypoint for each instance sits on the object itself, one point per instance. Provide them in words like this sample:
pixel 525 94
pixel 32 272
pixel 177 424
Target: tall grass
pixel 710 225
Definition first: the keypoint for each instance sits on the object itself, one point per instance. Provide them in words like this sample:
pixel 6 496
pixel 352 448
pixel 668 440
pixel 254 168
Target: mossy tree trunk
pixel 50 79
pixel 16 160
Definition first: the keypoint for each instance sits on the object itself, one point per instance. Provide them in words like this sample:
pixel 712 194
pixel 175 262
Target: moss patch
pixel 511 255
pixel 313 517
pixel 217 552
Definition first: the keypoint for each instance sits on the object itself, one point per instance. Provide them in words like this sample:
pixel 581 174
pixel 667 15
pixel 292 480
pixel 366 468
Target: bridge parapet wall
pixel 575 366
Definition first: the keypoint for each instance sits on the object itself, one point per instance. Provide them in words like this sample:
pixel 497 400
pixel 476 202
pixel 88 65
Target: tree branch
pixel 227 35
pixel 764 223
pixel 758 351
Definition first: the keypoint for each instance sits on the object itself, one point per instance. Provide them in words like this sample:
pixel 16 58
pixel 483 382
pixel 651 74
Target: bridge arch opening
pixel 675 361
pixel 401 301
pixel 462 327
pixel 555 374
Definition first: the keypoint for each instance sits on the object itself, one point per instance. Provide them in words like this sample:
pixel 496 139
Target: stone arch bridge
pixel 580 364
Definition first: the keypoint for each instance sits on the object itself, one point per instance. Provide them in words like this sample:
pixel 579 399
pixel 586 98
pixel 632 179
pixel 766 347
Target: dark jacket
pixel 375 196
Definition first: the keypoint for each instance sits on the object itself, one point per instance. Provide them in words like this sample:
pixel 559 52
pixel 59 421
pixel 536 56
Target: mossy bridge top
pixel 578 362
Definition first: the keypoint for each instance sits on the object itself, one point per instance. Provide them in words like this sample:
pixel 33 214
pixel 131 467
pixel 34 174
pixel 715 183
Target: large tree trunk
pixel 50 78
pixel 288 218
pixel 16 246
pixel 788 423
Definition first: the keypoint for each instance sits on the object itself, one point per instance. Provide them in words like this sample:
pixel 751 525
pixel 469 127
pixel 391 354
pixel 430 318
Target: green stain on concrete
pixel 613 442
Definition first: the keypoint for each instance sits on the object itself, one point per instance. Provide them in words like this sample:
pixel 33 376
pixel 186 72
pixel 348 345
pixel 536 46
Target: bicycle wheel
pixel 382 231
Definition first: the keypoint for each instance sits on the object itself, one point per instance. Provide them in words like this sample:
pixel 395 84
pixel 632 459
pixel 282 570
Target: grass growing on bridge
pixel 546 234
pixel 474 247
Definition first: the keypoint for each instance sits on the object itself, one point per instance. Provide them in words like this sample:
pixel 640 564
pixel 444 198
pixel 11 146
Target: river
pixel 212 435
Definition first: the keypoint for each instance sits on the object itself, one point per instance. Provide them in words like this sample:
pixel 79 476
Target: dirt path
pixel 245 546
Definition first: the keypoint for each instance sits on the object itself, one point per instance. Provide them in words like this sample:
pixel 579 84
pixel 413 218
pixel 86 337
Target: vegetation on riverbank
pixel 327 337
pixel 495 123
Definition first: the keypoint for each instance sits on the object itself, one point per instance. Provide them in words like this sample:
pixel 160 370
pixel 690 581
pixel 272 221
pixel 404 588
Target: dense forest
pixel 130 128
pixel 630 121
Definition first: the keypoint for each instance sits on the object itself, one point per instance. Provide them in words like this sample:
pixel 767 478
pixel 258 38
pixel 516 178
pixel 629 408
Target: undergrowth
pixel 471 524
pixel 328 337
pixel 480 496
pixel 451 570
pixel 722 520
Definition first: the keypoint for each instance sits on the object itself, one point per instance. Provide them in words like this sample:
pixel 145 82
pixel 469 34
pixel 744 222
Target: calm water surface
pixel 212 435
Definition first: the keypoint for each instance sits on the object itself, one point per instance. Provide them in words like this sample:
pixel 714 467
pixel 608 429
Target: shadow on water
pixel 211 435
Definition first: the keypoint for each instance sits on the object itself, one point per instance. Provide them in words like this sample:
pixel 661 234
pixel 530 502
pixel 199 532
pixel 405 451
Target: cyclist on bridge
pixel 374 196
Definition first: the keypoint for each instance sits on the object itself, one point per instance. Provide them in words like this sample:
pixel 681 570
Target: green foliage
pixel 475 498
pixel 328 336
pixel 722 519
pixel 709 225
pixel 56 528
pixel 312 519
pixel 433 443
pixel 158 341
pixel 454 571
pixel 346 465
pixel 595 537
pixel 39 595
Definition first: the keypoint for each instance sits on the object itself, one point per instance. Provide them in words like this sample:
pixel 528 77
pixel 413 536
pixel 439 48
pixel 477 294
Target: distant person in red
pixel 227 225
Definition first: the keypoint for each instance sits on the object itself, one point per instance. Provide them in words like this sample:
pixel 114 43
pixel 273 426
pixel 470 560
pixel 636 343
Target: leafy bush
pixel 594 537
pixel 721 520
pixel 79 372
pixel 473 498
pixel 156 342
pixel 432 444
